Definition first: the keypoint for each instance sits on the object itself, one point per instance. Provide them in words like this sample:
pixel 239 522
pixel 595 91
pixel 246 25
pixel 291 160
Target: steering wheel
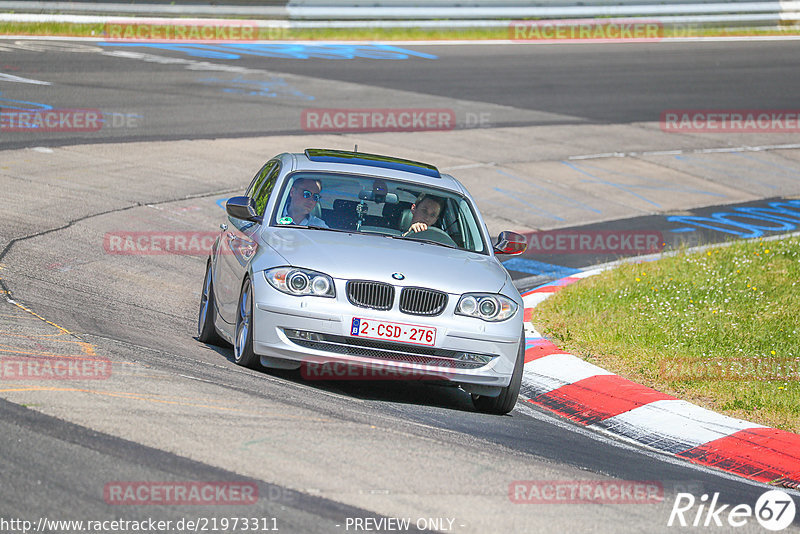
pixel 435 234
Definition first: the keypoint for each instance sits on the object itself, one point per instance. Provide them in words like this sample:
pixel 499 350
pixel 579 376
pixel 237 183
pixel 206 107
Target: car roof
pixel 361 163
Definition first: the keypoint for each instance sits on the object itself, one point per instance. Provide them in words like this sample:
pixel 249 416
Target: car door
pixel 238 244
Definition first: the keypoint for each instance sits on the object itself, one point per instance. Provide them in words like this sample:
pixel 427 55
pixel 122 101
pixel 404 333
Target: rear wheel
pixel 505 402
pixel 243 341
pixel 206 332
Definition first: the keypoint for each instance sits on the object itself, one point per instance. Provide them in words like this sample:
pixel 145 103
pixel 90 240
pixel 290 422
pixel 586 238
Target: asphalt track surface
pixel 562 84
pixel 177 410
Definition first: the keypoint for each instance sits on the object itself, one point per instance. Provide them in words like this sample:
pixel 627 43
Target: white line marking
pixel 605 438
pixel 722 150
pixel 470 166
pixel 4 77
pixel 672 422
pixel 534 299
pixel 200 379
pixel 556 370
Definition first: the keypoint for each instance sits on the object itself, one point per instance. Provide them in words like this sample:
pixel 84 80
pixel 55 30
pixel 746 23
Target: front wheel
pixel 243 341
pixel 505 402
pixel 206 332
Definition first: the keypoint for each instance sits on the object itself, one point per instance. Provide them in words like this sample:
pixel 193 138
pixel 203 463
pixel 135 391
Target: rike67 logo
pixel 774 510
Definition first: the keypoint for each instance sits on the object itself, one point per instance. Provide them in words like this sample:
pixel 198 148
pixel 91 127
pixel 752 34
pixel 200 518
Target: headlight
pixel 486 306
pixel 295 281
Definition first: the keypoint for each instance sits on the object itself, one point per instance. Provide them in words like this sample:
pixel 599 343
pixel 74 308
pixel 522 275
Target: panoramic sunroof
pixel 372 160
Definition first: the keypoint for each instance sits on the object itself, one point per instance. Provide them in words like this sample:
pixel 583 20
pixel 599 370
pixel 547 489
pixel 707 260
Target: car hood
pixel 373 257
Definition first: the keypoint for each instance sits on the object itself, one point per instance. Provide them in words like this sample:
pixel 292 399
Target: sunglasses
pixel 309 194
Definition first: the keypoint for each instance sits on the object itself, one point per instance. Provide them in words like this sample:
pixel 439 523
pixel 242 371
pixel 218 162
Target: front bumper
pixel 316 330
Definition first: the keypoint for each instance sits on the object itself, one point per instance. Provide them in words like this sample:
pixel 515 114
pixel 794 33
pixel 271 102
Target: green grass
pixel 372 34
pixel 279 34
pixel 719 328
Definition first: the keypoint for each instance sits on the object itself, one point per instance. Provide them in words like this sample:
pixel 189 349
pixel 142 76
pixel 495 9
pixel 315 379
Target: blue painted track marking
pixel 284 50
pixel 515 196
pixel 792 172
pixel 22 105
pixel 624 187
pixel 525 265
pixel 783 216
pixel 720 169
pixel 272 88
pixel 554 193
pixel 659 185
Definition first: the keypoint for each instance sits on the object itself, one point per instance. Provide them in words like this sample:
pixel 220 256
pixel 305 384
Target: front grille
pixel 367 294
pixel 384 350
pixel 421 301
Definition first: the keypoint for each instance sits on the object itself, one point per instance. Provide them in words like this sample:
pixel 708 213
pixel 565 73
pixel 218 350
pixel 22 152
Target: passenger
pixel 303 198
pixel 426 211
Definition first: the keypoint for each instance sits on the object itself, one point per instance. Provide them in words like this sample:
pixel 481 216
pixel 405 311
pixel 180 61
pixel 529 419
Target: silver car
pixel 358 266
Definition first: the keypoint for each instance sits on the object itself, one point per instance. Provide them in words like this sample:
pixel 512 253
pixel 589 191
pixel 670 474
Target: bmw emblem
pixel 398 276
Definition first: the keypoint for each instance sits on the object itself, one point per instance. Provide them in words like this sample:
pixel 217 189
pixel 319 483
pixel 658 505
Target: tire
pixel 505 402
pixel 206 332
pixel 243 339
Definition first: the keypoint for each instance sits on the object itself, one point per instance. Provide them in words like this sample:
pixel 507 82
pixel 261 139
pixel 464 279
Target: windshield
pixel 379 206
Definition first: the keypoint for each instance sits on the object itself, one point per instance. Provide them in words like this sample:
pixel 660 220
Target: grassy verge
pixel 719 328
pixel 280 34
pixel 375 34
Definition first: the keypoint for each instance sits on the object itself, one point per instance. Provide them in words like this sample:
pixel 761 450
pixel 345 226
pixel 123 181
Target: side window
pixel 258 179
pixel 262 195
pixel 472 234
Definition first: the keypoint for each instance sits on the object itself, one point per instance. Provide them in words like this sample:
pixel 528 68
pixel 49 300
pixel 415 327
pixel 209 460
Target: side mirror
pixel 510 243
pixel 242 208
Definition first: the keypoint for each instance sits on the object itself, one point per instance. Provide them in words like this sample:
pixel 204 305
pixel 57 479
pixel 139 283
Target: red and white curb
pixel 608 403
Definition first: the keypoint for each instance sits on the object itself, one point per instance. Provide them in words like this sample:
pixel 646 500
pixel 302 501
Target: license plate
pixel 389 331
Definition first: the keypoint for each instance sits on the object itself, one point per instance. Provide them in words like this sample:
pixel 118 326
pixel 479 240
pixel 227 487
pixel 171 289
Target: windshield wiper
pixel 307 227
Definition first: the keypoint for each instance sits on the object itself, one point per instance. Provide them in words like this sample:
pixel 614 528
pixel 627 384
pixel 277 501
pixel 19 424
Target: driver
pixel 426 211
pixel 303 198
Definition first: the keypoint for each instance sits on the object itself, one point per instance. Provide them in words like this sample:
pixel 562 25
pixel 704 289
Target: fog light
pixel 475 358
pixel 303 334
